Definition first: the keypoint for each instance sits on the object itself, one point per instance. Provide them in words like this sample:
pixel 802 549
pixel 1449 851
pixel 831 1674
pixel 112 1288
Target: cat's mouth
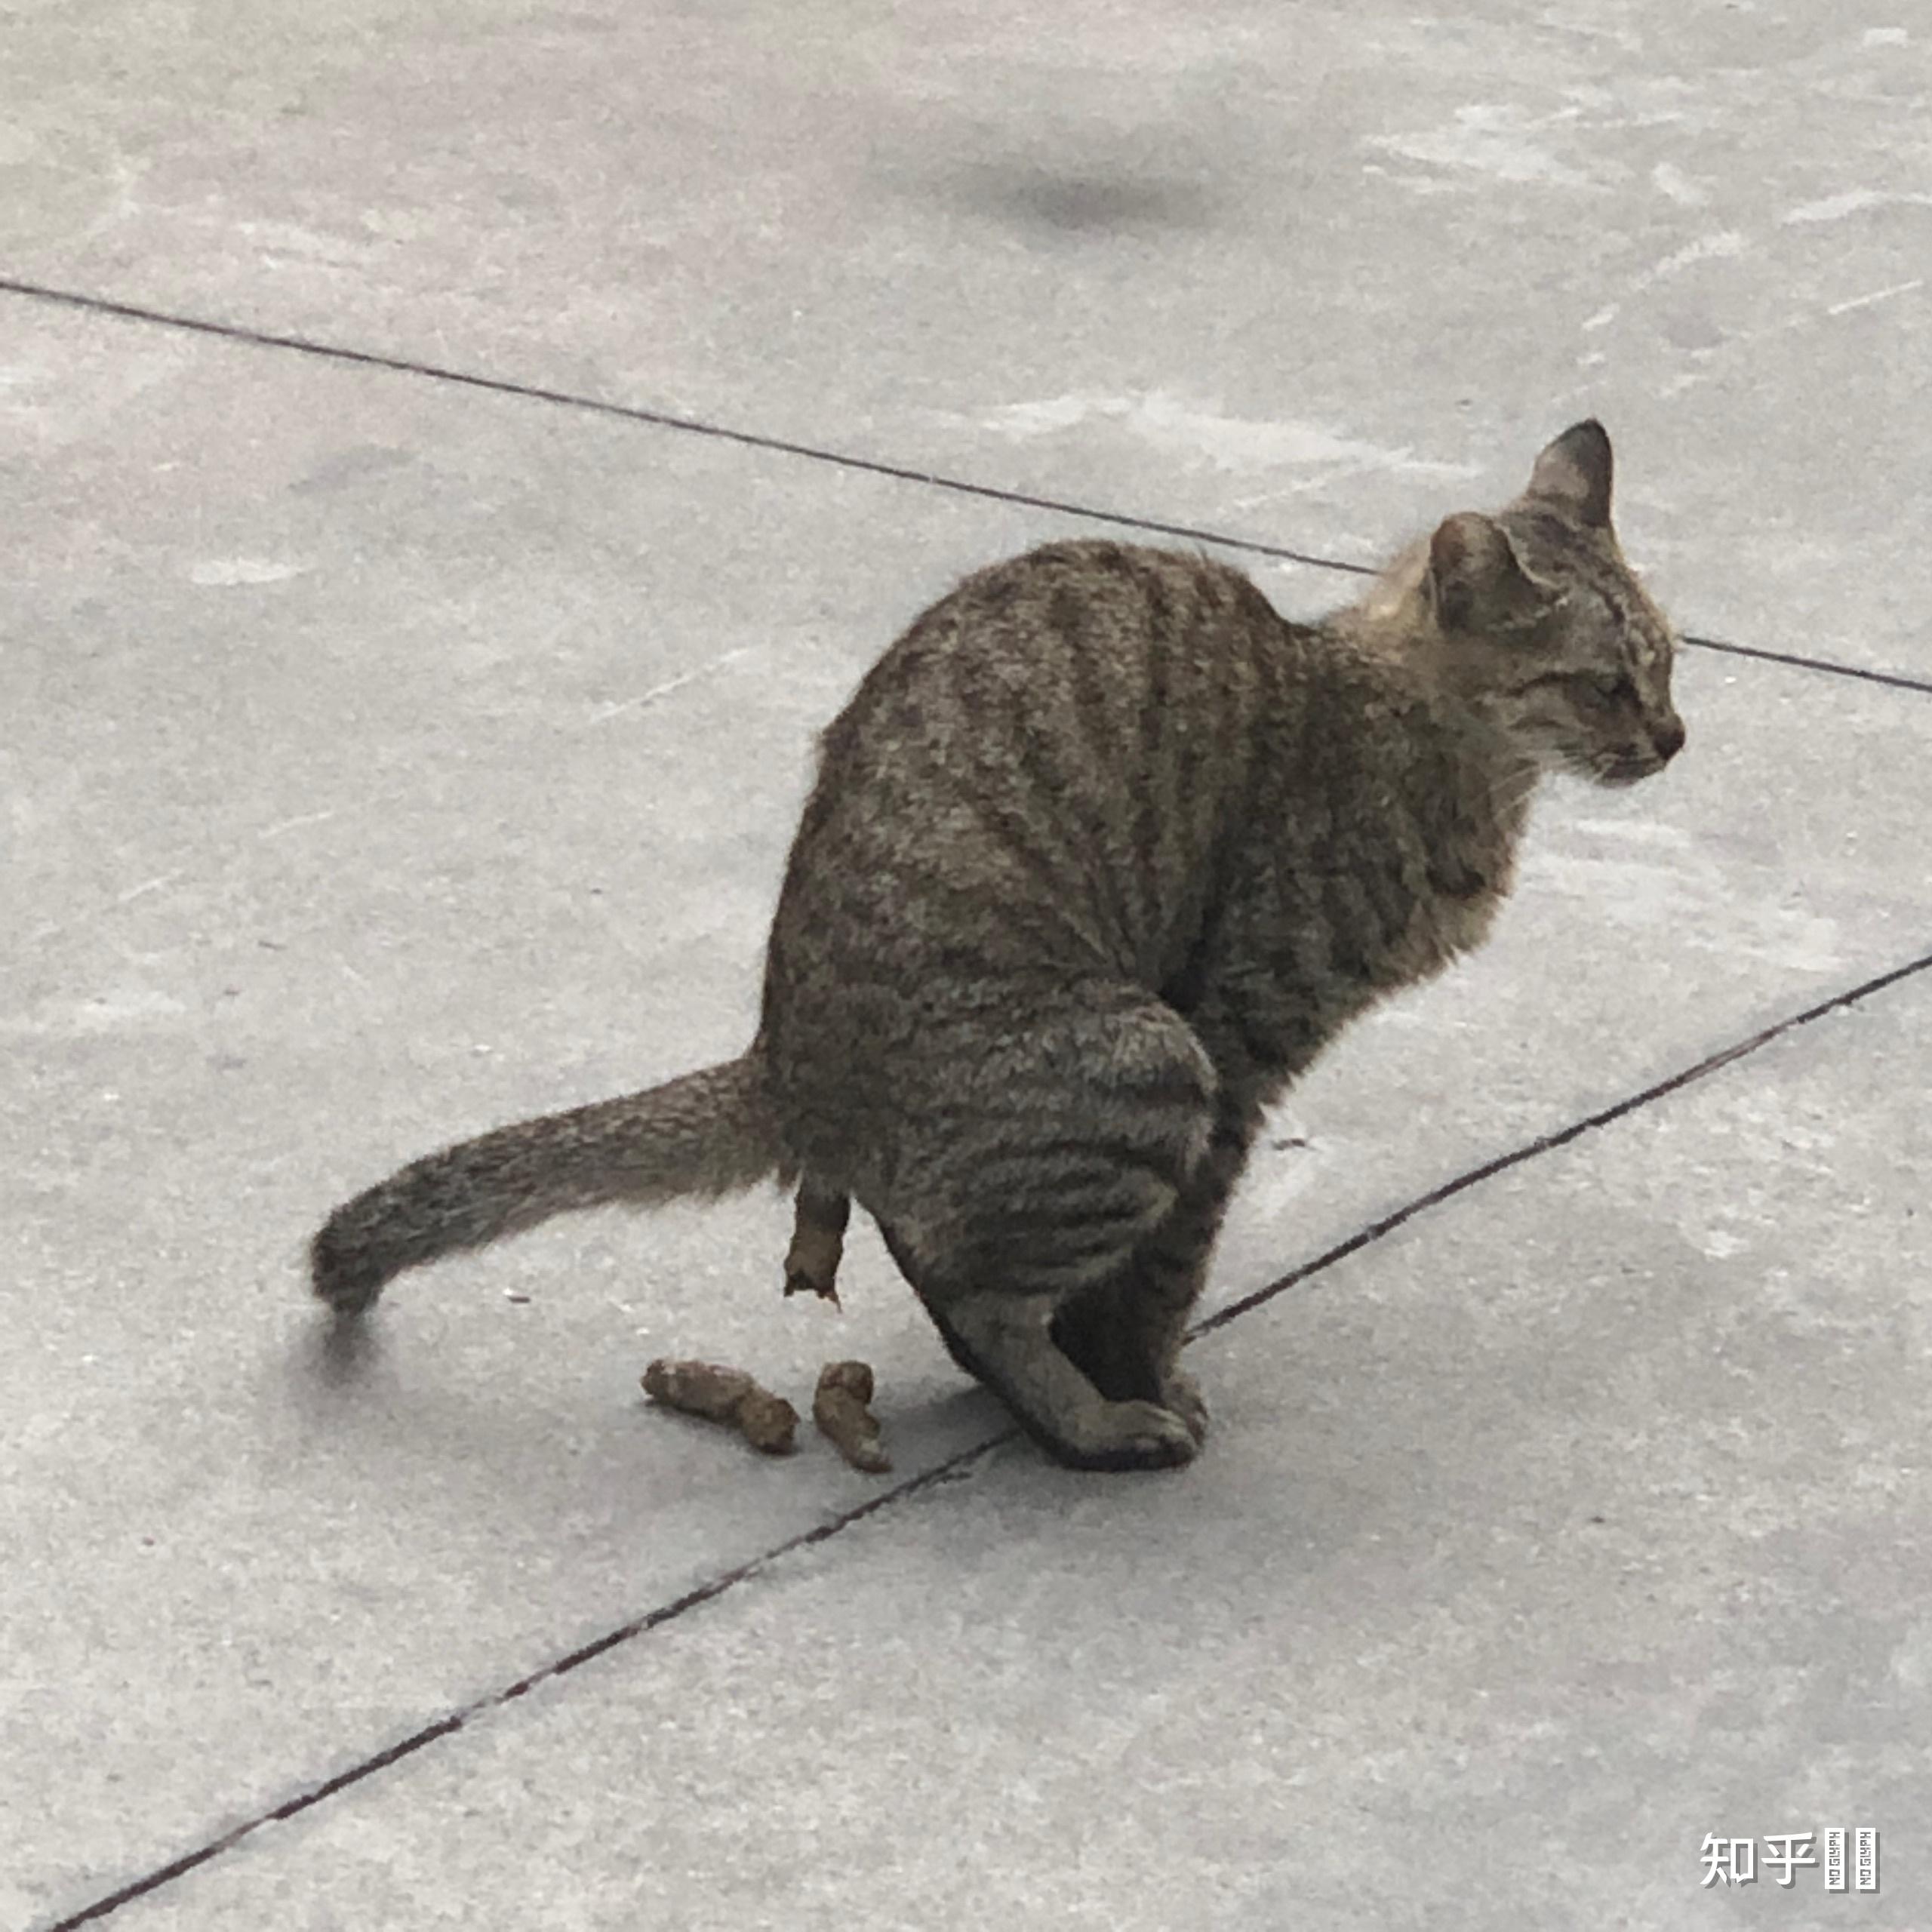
pixel 1629 769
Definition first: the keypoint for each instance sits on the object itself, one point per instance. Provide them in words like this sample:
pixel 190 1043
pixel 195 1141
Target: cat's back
pixel 1038 772
pixel 1093 650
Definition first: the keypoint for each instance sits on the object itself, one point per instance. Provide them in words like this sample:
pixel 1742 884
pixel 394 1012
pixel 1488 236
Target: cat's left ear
pixel 1478 581
pixel 1573 474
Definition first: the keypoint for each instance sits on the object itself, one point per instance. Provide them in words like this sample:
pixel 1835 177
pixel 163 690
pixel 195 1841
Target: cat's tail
pixel 705 1133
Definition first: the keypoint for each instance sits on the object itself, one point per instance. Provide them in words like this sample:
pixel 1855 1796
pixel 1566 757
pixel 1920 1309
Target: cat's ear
pixel 1477 579
pixel 1573 475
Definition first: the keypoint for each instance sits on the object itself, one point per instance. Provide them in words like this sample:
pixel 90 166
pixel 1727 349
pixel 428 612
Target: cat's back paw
pixel 1132 1436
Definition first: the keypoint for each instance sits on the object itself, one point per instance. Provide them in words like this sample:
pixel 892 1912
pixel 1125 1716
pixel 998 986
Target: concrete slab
pixel 1589 1515
pixel 1289 272
pixel 406 760
pixel 404 757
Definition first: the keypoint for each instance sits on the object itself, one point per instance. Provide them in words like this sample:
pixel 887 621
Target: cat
pixel 1101 853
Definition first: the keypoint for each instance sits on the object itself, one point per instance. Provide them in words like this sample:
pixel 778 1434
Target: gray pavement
pixel 386 754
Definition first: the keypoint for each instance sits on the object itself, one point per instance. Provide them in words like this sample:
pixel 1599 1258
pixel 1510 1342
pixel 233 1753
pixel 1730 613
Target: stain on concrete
pixel 1079 202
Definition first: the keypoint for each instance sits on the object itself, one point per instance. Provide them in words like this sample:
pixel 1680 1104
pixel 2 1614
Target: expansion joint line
pixel 660 419
pixel 958 1466
pixel 1547 1144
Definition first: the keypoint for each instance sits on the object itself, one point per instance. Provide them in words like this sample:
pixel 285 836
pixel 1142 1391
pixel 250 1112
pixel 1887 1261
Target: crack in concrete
pixel 838 459
pixel 455 1720
pixel 956 1466
pixel 604 713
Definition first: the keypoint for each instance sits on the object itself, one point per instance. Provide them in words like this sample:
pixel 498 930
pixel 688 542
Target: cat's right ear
pixel 1476 580
pixel 1574 473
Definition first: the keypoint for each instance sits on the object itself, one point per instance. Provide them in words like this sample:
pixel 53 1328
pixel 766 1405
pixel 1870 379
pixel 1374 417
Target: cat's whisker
pixel 1513 793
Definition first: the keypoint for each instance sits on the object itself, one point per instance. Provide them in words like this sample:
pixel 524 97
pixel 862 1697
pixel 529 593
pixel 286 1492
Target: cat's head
pixel 1546 627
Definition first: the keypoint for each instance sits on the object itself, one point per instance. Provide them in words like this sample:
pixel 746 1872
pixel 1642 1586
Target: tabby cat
pixel 1101 854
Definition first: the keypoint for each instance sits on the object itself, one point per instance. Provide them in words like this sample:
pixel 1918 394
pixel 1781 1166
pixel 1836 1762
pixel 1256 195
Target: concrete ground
pixel 454 457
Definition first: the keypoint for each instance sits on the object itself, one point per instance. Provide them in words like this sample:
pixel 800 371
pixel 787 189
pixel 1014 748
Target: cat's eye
pixel 1609 687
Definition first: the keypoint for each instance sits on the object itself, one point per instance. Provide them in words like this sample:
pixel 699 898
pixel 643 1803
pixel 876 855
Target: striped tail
pixel 706 1133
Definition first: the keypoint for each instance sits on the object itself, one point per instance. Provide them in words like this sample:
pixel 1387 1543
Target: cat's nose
pixel 1669 738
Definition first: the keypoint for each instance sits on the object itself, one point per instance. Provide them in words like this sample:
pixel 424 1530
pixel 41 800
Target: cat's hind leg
pixel 1005 1338
pixel 1064 1148
pixel 1005 1341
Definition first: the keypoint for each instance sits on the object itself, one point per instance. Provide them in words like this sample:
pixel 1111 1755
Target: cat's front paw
pixel 1181 1393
